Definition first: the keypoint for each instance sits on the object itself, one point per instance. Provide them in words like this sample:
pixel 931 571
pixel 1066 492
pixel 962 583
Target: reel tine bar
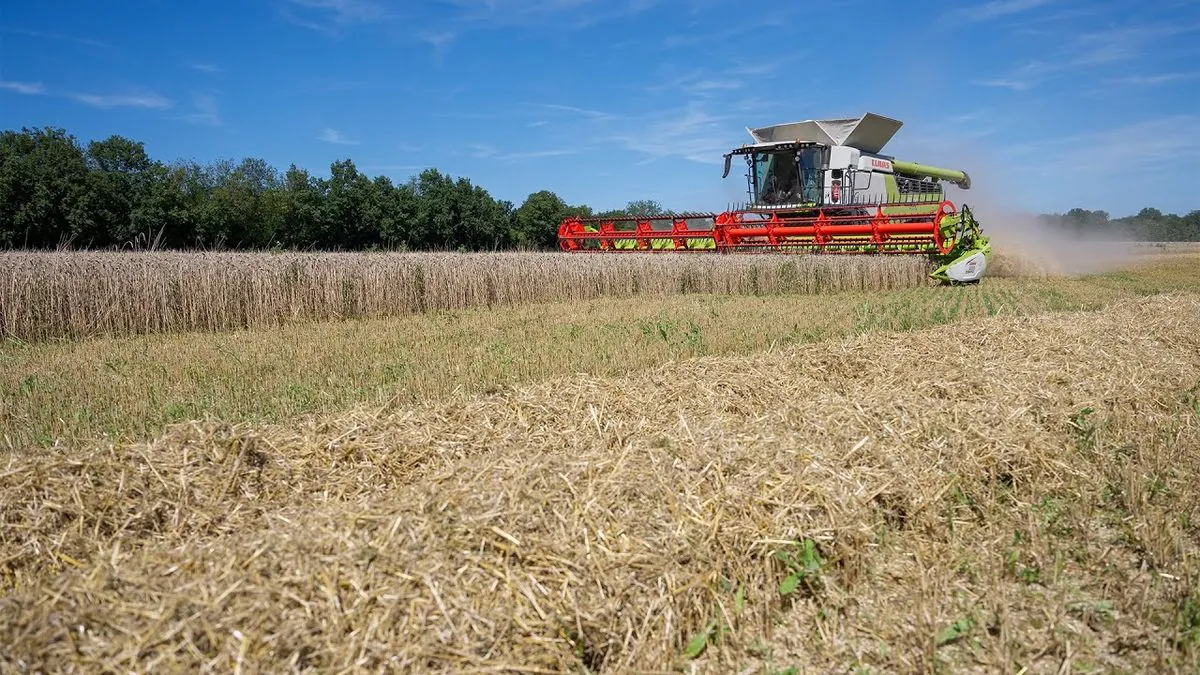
pixel 637 234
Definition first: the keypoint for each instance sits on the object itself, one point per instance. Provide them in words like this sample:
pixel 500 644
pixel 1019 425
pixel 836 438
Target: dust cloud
pixel 1023 244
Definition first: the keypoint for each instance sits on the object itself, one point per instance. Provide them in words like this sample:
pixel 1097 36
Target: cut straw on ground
pixel 1020 498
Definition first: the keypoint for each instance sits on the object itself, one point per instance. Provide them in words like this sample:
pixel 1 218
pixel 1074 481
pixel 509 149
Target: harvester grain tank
pixel 817 186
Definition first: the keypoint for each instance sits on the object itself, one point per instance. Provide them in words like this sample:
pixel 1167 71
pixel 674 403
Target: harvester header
pixel 816 186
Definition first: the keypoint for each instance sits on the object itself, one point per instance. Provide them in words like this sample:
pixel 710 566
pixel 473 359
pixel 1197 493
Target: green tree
pixel 435 224
pixel 352 221
pixel 535 223
pixel 119 181
pixel 482 222
pixel 1190 225
pixel 302 224
pixel 44 196
pixel 646 207
pixel 243 209
pixel 168 211
pixel 398 205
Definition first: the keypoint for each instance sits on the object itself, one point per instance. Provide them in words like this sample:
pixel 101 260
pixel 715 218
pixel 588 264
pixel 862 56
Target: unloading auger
pixel 817 186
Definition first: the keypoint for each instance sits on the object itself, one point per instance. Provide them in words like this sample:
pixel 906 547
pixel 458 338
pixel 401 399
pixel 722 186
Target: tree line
pixel 1149 224
pixel 57 192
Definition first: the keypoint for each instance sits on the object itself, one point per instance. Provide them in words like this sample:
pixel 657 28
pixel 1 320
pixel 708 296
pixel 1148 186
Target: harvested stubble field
pixel 998 478
pixel 1020 501
pixel 68 294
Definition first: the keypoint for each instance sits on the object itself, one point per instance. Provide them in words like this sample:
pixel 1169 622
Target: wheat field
pixel 79 294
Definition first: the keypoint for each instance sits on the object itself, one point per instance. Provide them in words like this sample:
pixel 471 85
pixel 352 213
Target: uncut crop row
pixel 47 295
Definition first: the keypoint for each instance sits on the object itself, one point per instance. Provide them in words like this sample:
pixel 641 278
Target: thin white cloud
pixel 677 40
pixel 559 107
pixel 1149 143
pixel 1001 83
pixel 996 9
pixel 1124 43
pixel 543 14
pixel 207 68
pixel 942 138
pixel 493 8
pixel 332 15
pixel 719 80
pixel 1050 23
pixel 204 110
pixel 27 88
pixel 490 152
pixel 538 154
pixel 692 133
pixel 135 99
pixel 1091 50
pixel 348 11
pixel 482 151
pixel 127 100
pixel 335 137
pixel 699 131
pixel 714 84
pixel 1156 144
pixel 327 85
pixel 457 18
pixel 1156 79
pixel 753 70
pixel 783 15
pixel 696 83
pixel 439 41
pixel 46 35
pixel 394 168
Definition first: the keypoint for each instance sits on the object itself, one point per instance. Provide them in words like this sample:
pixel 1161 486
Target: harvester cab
pixel 818 186
pixel 835 162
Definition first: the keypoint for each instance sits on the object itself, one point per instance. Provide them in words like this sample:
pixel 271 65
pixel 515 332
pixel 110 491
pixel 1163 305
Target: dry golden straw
pixel 70 294
pixel 968 509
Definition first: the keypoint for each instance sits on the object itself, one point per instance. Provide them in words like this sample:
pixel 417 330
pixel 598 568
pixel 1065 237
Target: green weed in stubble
pixel 955 631
pixel 502 355
pixel 717 628
pixel 1187 630
pixel 29 385
pixel 803 564
pixel 1096 613
pixel 1084 429
pixel 1192 398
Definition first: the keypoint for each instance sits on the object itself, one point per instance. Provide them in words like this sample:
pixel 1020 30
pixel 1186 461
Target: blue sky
pixel 1049 104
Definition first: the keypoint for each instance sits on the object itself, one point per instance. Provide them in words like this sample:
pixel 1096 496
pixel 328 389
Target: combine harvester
pixel 818 186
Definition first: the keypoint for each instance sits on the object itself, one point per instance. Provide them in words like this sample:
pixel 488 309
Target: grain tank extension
pixel 817 186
